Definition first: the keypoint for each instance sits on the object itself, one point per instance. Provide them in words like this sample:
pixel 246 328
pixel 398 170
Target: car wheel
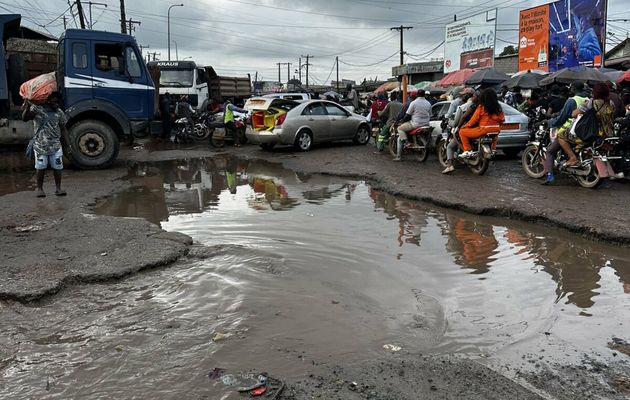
pixel 362 136
pixel 304 140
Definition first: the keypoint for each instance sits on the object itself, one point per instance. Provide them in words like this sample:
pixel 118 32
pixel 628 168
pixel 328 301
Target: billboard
pixel 575 31
pixel 533 43
pixel 470 39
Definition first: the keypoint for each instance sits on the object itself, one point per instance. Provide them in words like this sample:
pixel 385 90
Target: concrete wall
pixel 507 64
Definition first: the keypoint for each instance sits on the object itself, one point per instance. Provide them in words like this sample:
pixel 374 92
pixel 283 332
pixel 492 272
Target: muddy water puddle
pixel 17 173
pixel 293 271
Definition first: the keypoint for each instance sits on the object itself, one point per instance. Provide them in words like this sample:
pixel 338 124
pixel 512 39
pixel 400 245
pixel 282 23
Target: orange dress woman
pixel 488 117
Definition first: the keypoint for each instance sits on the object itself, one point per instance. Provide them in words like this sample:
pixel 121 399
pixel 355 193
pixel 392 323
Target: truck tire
pixel 92 144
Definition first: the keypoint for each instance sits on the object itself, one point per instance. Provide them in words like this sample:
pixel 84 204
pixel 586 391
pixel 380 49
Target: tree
pixel 508 50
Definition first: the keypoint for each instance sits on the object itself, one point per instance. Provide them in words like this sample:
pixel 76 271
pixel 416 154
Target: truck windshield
pixel 176 78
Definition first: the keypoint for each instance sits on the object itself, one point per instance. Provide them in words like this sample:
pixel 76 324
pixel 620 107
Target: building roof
pixel 618 55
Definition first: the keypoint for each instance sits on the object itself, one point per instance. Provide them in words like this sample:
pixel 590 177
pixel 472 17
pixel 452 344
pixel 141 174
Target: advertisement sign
pixel 533 43
pixel 577 33
pixel 565 33
pixel 477 59
pixel 467 37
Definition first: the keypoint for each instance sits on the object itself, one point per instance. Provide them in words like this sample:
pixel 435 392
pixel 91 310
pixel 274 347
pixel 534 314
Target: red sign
pixel 477 59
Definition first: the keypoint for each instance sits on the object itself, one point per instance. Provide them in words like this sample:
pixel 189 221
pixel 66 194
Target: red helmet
pixel 413 94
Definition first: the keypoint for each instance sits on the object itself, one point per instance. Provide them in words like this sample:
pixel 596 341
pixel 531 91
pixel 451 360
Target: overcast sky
pixel 248 36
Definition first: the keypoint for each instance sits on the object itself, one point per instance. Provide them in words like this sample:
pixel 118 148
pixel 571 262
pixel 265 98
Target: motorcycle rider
pixel 418 115
pixel 228 121
pixel 462 116
pixel 488 117
pixel 563 122
pixel 390 112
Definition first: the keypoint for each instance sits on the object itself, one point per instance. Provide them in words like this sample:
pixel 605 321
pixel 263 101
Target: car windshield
pixel 176 77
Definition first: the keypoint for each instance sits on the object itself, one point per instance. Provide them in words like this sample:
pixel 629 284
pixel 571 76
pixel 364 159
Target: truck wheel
pixel 92 144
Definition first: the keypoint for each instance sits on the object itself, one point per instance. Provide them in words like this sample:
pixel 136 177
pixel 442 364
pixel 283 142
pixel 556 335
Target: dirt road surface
pixel 51 243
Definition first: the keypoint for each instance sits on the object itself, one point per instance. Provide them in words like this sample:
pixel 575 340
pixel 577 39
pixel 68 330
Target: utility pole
pixel 307 65
pixel 123 17
pixel 81 16
pixel 402 28
pixel 337 60
pixel 64 23
pixel 90 4
pixel 288 72
pixel 153 54
pixel 131 23
pixel 142 47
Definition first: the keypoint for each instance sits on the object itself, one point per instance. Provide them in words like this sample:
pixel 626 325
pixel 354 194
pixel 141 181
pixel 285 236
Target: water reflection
pixel 475 244
pixel 192 186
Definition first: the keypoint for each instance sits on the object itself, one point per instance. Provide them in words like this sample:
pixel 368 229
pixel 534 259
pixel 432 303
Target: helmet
pixel 413 94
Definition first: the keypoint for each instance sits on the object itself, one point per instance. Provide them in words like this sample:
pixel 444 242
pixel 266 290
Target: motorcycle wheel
pixel 441 153
pixel 200 133
pixel 421 154
pixel 532 162
pixel 481 166
pixel 392 145
pixel 217 139
pixel 590 181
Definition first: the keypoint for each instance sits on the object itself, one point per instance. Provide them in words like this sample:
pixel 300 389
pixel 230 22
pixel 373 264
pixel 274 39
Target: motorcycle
pixel 592 167
pixel 417 144
pixel 479 161
pixel 617 148
pixel 219 137
pixel 186 132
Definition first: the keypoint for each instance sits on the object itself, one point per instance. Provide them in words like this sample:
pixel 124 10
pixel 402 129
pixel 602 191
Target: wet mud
pixel 332 285
pixel 337 288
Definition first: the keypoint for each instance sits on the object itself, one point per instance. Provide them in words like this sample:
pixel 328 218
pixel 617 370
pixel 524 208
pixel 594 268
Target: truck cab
pixel 180 78
pixel 107 90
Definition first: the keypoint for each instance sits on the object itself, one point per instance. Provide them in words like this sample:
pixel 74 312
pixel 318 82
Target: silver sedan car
pixel 303 124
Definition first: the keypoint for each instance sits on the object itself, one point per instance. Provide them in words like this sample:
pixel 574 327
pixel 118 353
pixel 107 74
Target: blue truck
pixel 108 93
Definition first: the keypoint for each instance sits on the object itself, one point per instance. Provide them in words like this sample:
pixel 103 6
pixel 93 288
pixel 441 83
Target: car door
pixel 118 78
pixel 314 116
pixel 342 126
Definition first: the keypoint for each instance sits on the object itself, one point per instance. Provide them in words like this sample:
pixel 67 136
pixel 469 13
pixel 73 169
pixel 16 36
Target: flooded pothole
pixel 17 173
pixel 294 270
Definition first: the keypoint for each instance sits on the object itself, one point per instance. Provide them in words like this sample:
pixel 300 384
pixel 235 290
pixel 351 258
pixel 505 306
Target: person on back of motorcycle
pixel 184 109
pixel 563 123
pixel 418 115
pixel 378 105
pixel 462 116
pixel 605 112
pixel 390 112
pixel 488 117
pixel 228 121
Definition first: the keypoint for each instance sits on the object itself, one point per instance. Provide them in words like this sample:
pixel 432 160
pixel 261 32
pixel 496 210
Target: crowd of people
pixel 474 113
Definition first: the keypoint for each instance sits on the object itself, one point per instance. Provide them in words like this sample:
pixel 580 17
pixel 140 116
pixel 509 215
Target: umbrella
pixel 423 84
pixel 613 75
pixel 386 87
pixel 574 74
pixel 528 80
pixel 456 77
pixel 435 90
pixel 487 76
pixel 533 71
pixel 332 93
pixel 625 77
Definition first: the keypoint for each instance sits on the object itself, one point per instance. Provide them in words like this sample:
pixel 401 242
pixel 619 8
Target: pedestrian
pixel 49 123
pixel 352 96
pixel 228 121
pixel 165 114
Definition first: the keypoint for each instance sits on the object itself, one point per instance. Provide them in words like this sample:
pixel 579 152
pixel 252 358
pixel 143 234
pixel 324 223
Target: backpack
pixel 587 127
